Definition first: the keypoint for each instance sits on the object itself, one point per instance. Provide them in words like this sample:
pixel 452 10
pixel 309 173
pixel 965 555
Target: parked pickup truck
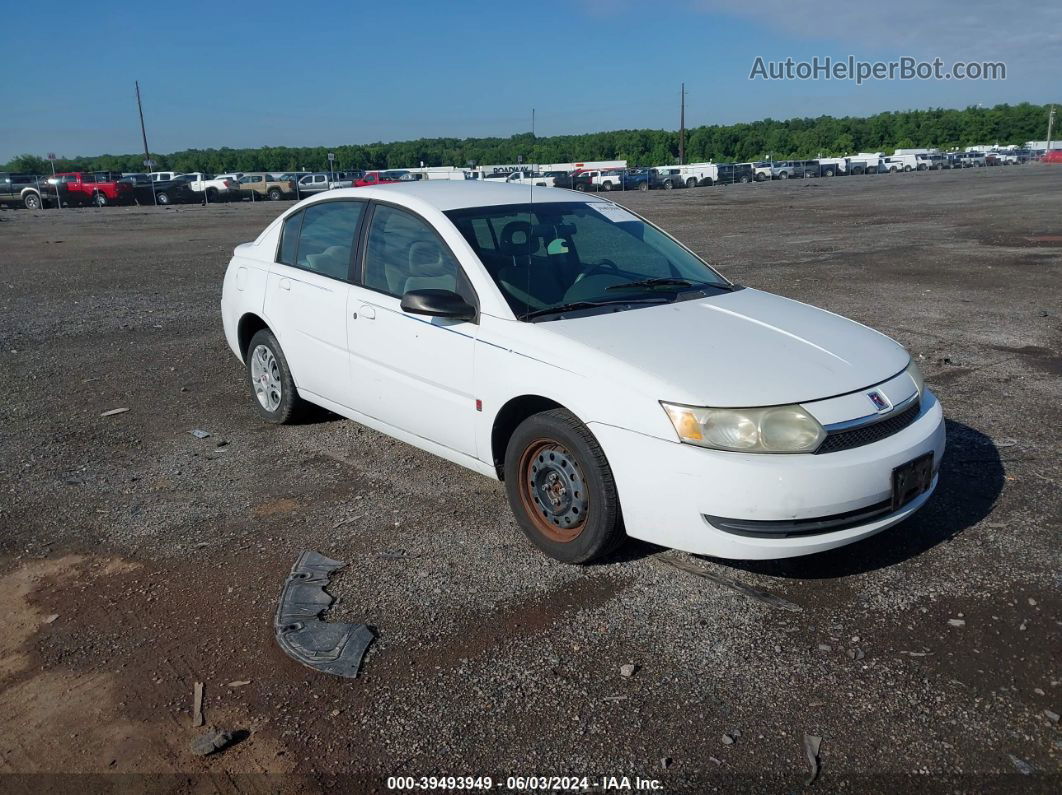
pixel 81 187
pixel 383 178
pixel 321 181
pixel 259 184
pixel 699 174
pixel 147 191
pixel 21 190
pixel 215 188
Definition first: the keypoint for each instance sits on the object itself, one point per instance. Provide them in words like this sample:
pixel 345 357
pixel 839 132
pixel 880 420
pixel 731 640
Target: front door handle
pixel 367 312
pixel 285 284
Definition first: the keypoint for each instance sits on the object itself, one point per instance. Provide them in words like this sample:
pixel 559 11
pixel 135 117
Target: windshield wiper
pixel 575 305
pixel 660 281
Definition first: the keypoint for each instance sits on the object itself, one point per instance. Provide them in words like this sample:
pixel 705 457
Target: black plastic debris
pixel 324 646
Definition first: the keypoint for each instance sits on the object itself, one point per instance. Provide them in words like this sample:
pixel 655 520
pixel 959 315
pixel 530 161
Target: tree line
pixel 799 138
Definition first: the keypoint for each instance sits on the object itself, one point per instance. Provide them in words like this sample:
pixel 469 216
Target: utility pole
pixel 1050 127
pixel 682 125
pixel 143 131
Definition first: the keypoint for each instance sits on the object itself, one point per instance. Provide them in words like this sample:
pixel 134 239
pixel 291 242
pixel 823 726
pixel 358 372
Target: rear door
pixel 416 372
pixel 307 292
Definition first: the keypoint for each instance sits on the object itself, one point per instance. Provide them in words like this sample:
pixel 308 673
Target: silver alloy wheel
pixel 265 375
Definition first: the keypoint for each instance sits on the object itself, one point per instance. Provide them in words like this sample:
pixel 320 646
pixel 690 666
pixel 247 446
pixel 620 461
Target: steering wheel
pixel 605 266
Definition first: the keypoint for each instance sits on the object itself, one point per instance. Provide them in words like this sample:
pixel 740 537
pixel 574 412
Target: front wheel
pixel 668 185
pixel 581 187
pixel 691 182
pixel 828 172
pixel 275 396
pixel 561 489
pixel 274 195
pixel 784 175
pixel 99 199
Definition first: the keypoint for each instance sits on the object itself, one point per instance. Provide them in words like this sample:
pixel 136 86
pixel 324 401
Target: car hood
pixel 739 349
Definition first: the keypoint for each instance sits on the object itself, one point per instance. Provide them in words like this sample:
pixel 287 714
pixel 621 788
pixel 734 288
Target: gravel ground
pixel 136 559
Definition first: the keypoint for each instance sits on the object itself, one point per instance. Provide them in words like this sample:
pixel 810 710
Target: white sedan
pixel 616 383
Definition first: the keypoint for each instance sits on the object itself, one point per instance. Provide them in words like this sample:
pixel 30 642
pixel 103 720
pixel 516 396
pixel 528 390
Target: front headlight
pixel 776 429
pixel 916 375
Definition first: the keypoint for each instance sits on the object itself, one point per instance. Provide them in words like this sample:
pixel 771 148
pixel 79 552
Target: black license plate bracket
pixel 911 479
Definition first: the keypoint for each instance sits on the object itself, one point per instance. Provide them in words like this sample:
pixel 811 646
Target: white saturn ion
pixel 616 383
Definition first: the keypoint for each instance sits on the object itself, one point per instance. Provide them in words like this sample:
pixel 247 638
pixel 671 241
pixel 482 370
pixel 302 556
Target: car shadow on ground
pixel 971 479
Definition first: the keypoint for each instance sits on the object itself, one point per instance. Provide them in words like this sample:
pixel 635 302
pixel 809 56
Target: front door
pixel 418 370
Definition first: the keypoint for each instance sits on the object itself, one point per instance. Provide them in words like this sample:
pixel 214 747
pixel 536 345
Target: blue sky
pixel 324 73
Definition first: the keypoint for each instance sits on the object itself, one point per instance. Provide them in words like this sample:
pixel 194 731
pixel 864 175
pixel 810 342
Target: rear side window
pixel 326 238
pixel 289 239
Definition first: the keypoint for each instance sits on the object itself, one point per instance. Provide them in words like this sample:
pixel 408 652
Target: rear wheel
pixel 274 194
pixel 581 187
pixel 744 179
pixel 643 186
pixel 669 185
pixel 275 397
pixel 828 172
pixel 162 197
pixel 212 195
pixel 561 489
pixel 691 182
pixel 784 175
pixel 606 185
pixel 32 201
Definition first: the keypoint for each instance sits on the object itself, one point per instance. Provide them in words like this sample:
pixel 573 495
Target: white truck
pixel 699 174
pixel 521 177
pixel 901 163
pixel 162 176
pixel 216 188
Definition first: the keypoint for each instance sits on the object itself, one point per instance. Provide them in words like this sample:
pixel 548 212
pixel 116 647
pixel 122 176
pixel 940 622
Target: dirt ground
pixel 137 559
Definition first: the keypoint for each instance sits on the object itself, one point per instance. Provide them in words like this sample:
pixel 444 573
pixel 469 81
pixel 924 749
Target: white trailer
pixel 699 174
pixel 831 166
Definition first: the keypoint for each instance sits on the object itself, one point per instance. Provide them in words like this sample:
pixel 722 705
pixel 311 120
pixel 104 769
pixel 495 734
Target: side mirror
pixel 437 303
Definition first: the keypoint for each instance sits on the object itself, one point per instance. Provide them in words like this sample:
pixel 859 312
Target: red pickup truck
pixel 383 178
pixel 80 187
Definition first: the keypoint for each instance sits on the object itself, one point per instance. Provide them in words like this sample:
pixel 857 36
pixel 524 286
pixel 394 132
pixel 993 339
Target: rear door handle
pixel 285 284
pixel 367 312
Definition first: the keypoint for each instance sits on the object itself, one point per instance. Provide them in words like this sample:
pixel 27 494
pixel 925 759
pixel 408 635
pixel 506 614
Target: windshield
pixel 550 255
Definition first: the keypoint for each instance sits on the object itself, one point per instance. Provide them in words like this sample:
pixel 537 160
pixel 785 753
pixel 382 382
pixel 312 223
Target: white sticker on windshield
pixel 613 212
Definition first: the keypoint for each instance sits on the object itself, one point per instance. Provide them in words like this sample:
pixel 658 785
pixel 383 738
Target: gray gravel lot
pixel 136 559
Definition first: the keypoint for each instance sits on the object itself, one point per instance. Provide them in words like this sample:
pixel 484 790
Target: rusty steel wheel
pixel 561 489
pixel 554 491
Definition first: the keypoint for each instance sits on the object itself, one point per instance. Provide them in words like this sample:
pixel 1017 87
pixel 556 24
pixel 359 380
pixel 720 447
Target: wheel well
pixel 508 419
pixel 250 324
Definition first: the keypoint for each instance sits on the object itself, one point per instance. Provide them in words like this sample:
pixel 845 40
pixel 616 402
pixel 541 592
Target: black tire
pixel 212 195
pixel 707 182
pixel 744 179
pixel 606 186
pixel 163 198
pixel 554 466
pixel 274 194
pixel 906 168
pixel 32 201
pixel 99 199
pixel 581 187
pixel 828 172
pixel 289 406
pixel 784 175
pixel 643 186
pixel 691 182
pixel 668 185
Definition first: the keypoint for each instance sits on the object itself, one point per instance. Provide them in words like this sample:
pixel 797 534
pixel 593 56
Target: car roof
pixel 446 194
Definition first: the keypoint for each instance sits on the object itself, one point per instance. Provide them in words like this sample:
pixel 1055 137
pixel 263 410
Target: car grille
pixel 868 434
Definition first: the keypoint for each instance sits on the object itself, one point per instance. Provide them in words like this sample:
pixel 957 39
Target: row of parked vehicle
pixel 705 174
pixel 168 187
pixel 80 188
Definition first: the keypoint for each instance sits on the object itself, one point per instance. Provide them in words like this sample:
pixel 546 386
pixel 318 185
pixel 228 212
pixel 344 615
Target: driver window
pixel 404 253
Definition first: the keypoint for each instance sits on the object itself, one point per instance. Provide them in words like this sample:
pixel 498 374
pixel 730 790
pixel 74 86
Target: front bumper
pixel 667 489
